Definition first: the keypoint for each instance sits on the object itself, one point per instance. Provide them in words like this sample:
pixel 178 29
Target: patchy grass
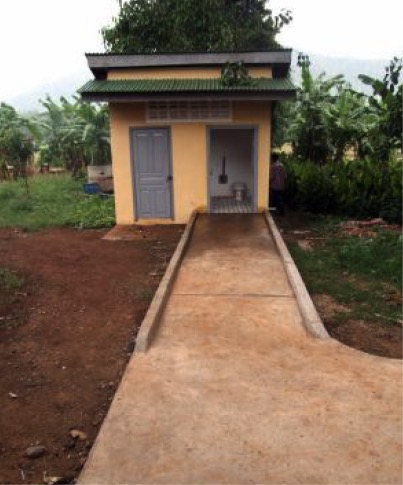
pixel 325 271
pixel 362 272
pixel 374 259
pixel 52 200
pixel 10 282
pixel 145 293
pixel 11 312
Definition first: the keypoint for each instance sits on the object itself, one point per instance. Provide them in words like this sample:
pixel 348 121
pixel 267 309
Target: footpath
pixel 234 391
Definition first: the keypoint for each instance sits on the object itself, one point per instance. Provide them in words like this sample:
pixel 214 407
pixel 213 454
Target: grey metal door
pixel 152 172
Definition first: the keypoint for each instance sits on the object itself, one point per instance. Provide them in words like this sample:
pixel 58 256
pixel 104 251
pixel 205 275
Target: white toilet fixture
pixel 239 191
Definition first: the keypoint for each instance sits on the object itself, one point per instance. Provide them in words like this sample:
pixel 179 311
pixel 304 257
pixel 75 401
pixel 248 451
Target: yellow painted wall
pixel 258 113
pixel 122 117
pixel 189 169
pixel 181 73
pixel 189 157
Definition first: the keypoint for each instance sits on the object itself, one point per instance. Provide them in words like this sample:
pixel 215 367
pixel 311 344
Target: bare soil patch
pixel 327 306
pixel 377 339
pixel 66 338
pixel 371 337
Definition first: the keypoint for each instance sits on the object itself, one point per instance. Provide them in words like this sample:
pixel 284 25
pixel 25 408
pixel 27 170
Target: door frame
pixel 135 182
pixel 254 129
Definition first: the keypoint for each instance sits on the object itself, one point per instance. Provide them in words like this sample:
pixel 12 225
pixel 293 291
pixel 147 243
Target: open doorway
pixel 231 171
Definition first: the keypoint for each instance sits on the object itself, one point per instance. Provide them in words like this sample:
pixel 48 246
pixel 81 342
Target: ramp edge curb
pixel 150 323
pixel 312 321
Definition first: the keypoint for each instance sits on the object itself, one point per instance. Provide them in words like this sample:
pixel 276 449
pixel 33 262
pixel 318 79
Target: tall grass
pixel 52 200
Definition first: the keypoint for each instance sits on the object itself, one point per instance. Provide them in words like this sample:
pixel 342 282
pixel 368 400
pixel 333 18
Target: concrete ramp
pixel 233 390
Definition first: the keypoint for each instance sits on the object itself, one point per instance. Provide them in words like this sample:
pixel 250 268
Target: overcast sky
pixel 43 41
pixel 344 28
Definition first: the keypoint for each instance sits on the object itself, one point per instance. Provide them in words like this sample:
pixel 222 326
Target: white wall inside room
pixel 237 147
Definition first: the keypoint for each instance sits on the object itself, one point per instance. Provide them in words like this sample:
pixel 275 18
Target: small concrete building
pixel 181 138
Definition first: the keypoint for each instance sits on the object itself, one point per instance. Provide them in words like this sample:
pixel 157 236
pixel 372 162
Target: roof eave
pixel 99 64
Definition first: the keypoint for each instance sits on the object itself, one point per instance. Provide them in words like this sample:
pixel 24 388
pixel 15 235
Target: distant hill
pixel 351 68
pixel 66 86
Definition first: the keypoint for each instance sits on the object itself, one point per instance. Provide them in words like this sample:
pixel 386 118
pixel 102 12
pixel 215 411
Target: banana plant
pixel 309 127
pixel 386 102
pixel 349 122
pixel 16 142
pixel 75 134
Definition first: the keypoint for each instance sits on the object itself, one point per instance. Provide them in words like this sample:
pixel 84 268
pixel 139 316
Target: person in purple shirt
pixel 278 181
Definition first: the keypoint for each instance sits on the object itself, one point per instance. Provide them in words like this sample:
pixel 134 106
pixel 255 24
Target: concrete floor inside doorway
pixel 234 390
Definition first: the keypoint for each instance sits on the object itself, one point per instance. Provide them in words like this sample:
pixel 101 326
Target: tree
pixel 75 134
pixel 16 142
pixel 329 117
pixel 148 26
pixel 93 121
pixel 348 123
pixel 51 124
pixel 386 103
pixel 308 128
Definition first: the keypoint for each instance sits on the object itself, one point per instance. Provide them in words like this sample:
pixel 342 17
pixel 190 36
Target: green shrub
pixel 357 188
pixel 94 212
pixel 311 187
pixel 6 191
pixel 22 204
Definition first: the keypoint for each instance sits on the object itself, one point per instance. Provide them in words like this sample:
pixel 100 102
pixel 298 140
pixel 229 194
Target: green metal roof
pixel 171 86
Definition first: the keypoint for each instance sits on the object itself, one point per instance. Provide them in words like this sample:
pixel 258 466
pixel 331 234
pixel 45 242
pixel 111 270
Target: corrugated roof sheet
pixel 146 86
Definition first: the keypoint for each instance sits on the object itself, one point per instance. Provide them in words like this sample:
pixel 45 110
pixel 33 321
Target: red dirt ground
pixel 65 341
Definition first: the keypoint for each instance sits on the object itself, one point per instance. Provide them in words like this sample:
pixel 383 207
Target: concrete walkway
pixel 233 390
